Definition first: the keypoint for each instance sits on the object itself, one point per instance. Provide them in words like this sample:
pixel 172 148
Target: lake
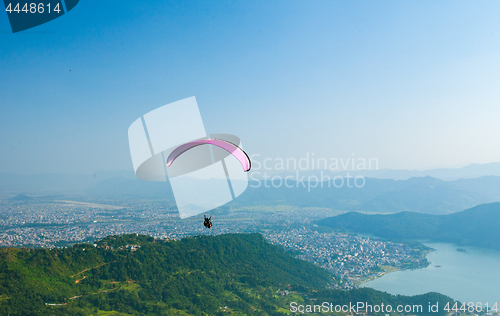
pixel 471 276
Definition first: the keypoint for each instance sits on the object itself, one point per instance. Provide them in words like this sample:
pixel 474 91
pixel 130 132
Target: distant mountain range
pixel 422 195
pixel 446 174
pixel 54 183
pixel 477 226
pixel 418 194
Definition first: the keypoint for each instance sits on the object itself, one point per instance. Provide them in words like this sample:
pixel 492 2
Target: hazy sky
pixel 415 84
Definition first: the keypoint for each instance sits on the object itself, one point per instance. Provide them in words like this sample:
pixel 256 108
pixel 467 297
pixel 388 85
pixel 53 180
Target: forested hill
pixel 134 275
pixel 477 226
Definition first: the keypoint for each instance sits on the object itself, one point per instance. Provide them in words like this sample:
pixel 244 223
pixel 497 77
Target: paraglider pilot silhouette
pixel 208 221
pixel 204 171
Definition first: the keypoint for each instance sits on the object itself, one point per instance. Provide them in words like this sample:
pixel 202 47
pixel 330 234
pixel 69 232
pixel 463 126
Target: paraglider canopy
pixel 236 151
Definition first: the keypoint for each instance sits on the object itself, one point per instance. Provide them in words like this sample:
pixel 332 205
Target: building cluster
pixel 52 224
pixel 351 259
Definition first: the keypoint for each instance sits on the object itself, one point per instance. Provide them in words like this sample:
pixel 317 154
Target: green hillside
pixel 230 274
pixel 477 226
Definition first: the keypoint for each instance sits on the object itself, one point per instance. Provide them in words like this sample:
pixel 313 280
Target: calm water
pixel 473 276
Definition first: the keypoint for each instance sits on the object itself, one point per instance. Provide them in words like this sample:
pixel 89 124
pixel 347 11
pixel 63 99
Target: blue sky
pixel 413 84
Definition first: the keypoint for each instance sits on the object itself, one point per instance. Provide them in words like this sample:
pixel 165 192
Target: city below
pixel 55 222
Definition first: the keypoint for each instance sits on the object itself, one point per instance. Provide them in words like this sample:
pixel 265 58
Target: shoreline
pixel 394 269
pixel 391 269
